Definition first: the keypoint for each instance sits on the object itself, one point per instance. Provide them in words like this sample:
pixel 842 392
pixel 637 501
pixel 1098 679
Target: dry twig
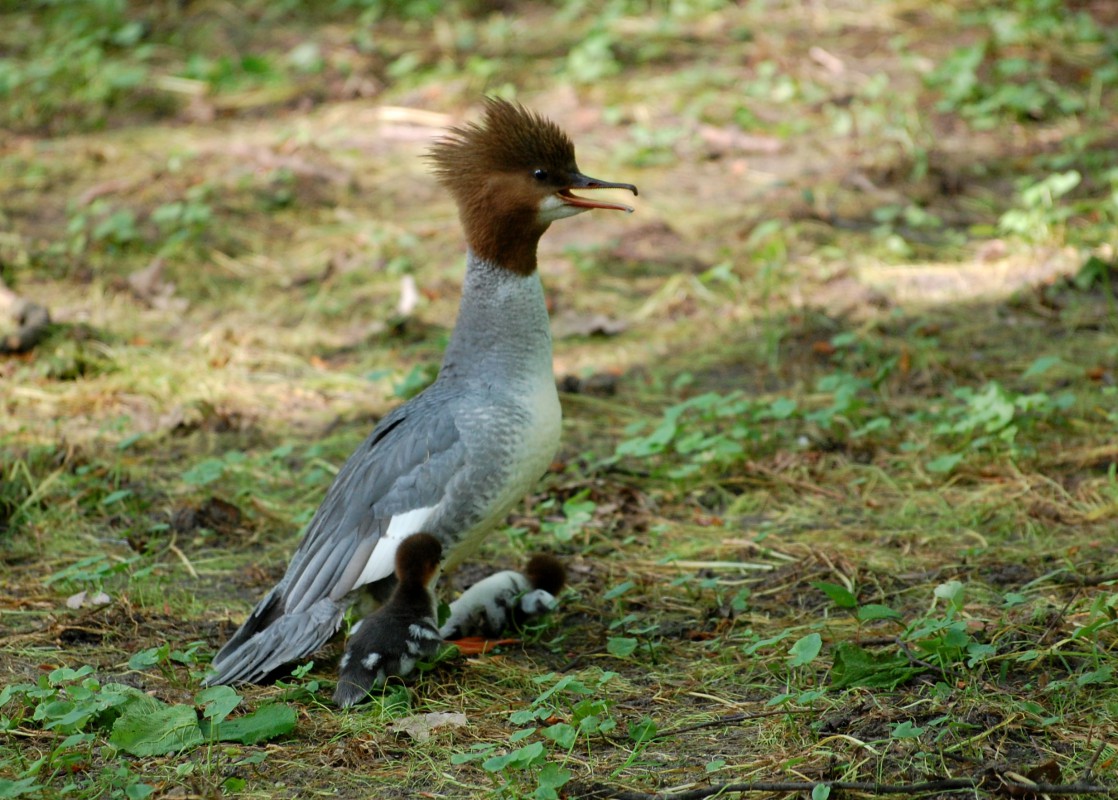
pixel 731 719
pixel 995 782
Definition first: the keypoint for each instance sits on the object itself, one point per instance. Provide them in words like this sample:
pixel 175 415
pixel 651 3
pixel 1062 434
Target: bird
pixel 453 460
pixel 506 600
pixel 392 640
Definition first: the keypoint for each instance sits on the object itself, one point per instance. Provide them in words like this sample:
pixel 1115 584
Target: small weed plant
pixel 569 713
pixel 95 717
pixel 1019 64
pixel 715 432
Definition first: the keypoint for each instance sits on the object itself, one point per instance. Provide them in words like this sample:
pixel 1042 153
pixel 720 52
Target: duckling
pixel 506 600
pixel 392 639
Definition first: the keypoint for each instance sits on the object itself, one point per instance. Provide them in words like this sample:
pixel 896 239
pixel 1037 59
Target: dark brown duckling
pixel 391 640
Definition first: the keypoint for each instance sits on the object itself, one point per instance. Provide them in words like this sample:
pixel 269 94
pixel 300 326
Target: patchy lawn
pixel 838 492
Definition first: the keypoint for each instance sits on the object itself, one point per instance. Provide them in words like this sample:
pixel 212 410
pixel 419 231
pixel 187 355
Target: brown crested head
pixel 509 139
pixel 546 572
pixel 511 175
pixel 417 559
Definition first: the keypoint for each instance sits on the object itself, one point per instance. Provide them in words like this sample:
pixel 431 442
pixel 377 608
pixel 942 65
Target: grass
pixel 837 494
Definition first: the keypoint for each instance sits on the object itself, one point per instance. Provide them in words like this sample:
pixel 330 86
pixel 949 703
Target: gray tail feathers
pixel 270 638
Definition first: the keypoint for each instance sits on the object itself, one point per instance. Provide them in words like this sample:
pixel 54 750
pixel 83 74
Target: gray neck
pixel 503 331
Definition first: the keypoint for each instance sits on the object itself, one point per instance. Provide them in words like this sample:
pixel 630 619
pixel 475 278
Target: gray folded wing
pixel 404 465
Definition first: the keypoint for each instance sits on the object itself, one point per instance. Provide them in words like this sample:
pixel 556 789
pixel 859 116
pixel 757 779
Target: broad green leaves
pixel 169 729
pixel 73 702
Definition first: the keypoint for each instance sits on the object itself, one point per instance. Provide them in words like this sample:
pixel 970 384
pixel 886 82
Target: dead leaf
pixel 478 645
pixel 573 323
pixel 1048 772
pixel 83 598
pixel 829 61
pixel 727 139
pixel 111 186
pixel 147 285
pixel 421 726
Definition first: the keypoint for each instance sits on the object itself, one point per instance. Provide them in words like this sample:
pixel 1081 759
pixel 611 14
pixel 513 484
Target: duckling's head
pixel 418 559
pixel 547 573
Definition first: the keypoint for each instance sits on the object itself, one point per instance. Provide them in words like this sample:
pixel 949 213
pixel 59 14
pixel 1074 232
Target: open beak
pixel 580 181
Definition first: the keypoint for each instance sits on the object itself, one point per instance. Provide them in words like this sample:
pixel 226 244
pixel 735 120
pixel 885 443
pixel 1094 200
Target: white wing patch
pixel 423 632
pixel 382 561
pixel 538 601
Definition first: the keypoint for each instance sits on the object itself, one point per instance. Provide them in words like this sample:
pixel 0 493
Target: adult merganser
pixel 391 640
pixel 506 600
pixel 453 460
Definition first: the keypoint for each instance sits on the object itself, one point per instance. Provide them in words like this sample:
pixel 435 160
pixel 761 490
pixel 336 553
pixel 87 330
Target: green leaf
pixel 267 722
pixel 872 611
pixel 820 791
pixel 62 675
pixel 205 472
pixel 978 653
pixel 618 590
pixel 1041 366
pixel 477 752
pixel 805 650
pixel 943 464
pixel 138 791
pixel 218 702
pixel 116 497
pixel 156 733
pixel 233 785
pixel 518 759
pixel 528 756
pixel 396 702
pixel 525 716
pixel 855 666
pixel 781 408
pixel 1093 271
pixel 906 730
pixel 132 700
pixel 551 779
pixel 643 731
pixel 13 689
pixel 562 734
pixel 74 740
pixel 1103 675
pixel 621 646
pixel 750 649
pixel 952 592
pixel 253 759
pixel 16 788
pixel 839 595
pixel 147 658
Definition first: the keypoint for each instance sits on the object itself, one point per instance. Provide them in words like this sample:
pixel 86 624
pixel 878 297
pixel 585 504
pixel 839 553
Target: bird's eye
pixel 541 175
